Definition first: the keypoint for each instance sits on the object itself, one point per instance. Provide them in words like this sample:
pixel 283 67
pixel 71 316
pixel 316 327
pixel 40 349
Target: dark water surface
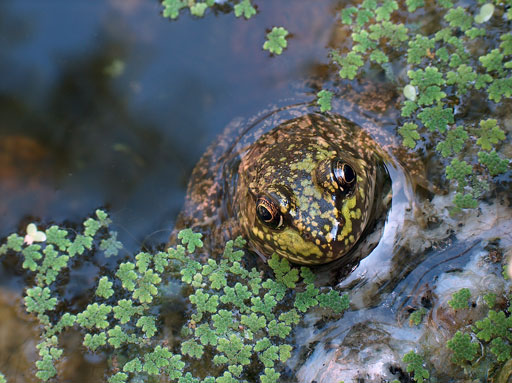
pixel 109 104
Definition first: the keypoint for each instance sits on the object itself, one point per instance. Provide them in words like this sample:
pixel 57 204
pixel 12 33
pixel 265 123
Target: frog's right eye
pixel 269 213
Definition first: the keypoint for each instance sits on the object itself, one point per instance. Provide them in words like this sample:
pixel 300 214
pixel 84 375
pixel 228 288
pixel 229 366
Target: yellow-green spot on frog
pixel 303 186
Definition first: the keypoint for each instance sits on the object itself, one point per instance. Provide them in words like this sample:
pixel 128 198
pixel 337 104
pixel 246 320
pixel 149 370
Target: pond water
pixel 108 104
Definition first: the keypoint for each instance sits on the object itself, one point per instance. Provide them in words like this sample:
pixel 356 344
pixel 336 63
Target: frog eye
pixel 344 174
pixel 268 212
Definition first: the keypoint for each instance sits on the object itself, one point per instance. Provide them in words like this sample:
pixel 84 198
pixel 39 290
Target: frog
pixel 292 181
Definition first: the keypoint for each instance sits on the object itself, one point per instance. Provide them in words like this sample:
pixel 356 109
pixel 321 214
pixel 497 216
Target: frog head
pixel 305 190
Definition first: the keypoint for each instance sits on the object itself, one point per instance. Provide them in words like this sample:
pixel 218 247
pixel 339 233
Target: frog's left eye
pixel 344 174
pixel 269 213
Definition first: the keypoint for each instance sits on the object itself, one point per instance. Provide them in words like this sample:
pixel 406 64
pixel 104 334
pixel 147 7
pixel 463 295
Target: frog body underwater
pixel 303 185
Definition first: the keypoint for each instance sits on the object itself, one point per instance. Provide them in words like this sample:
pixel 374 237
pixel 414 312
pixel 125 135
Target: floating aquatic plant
pixel 243 317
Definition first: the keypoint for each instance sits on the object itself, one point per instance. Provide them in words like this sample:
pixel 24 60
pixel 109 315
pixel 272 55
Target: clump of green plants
pixel 415 366
pixel 240 320
pixel 494 333
pixel 417 317
pixel 275 41
pixel 443 69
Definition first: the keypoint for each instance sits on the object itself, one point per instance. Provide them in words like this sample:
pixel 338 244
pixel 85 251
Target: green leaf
pixel 192 348
pixel 146 286
pixel 415 366
pixel 494 163
pixel 506 45
pixel 458 18
pixel 492 61
pixel 175 368
pixel 91 227
pixel 276 40
pixel 473 33
pixel 482 80
pixel 463 78
pixel 270 376
pixel 235 350
pixel 436 118
pixel 155 361
pixel 363 16
pixel 269 356
pixel 417 317
pixel 45 368
pixel 127 276
pixel 222 321
pixel 14 242
pixel 39 300
pixel 117 337
pixel 245 8
pixel 111 245
pixel 79 245
pixel 425 78
pixel 347 14
pixel 445 3
pixel 236 296
pixel 460 299
pixel 93 342
pixel 172 8
pixel 226 378
pixel 124 311
pixel 265 305
pixel 394 33
pixel 458 170
pixel 283 272
pixel 501 349
pixel 119 377
pixel 290 317
pixel 385 10
pixel 104 289
pixel 133 365
pixel 206 335
pixel 378 56
pixel 409 134
pixel 190 239
pixel 333 300
pixel 455 139
pixel 205 302
pixel 419 48
pixel 103 218
pixel 490 299
pixel 412 5
pixel 147 323
pixel 94 316
pixel 278 329
pixel 324 100
pixel 31 254
pixel 499 88
pixel 370 5
pixel 57 237
pixel 306 299
pixel 408 108
pixel 465 201
pixel 463 348
pixel 198 9
pixel 254 322
pixel 350 65
pixel 51 266
pixel 489 133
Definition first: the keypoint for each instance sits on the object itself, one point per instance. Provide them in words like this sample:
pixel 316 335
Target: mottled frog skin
pixel 303 185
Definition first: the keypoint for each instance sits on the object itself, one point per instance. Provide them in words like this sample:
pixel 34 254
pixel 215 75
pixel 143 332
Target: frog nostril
pixel 307 236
